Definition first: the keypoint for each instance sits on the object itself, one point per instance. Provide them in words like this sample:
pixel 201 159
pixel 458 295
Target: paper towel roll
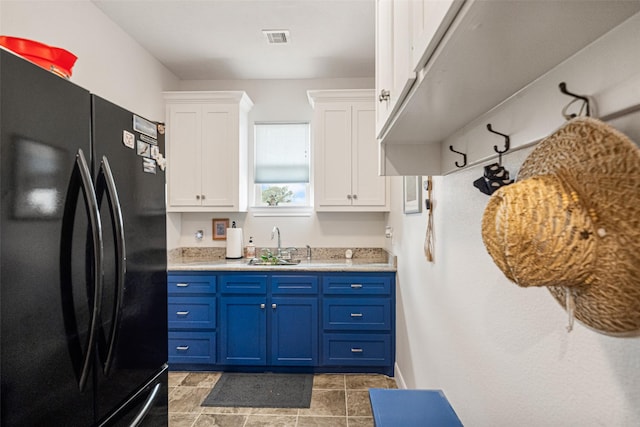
pixel 234 243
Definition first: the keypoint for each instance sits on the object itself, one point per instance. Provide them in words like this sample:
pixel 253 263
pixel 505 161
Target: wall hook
pixel 464 157
pixel 507 143
pixel 563 89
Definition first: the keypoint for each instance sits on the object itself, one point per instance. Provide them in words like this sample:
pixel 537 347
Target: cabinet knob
pixel 202 197
pixel 349 196
pixel 182 285
pixel 356 314
pixel 182 313
pixel 356 285
pixel 197 197
pixel 356 350
pixel 182 348
pixel 273 305
pixel 384 95
pixel 355 196
pixel 262 306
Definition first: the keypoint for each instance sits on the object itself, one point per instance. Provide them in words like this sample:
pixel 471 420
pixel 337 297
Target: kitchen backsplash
pixel 203 254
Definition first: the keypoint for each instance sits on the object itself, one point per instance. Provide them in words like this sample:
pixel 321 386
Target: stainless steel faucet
pixel 308 252
pixel 276 229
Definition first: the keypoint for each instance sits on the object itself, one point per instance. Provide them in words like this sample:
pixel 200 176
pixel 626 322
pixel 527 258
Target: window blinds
pixel 281 153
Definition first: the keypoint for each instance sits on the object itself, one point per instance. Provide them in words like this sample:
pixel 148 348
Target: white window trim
pixel 284 211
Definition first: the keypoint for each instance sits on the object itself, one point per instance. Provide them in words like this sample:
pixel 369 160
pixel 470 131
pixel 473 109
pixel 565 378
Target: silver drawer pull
pixel 182 285
pixel 356 350
pixel 356 285
pixel 182 348
pixel 356 314
pixel 182 313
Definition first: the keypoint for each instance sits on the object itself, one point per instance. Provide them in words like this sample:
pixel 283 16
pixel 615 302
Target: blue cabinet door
pixel 294 331
pixel 243 330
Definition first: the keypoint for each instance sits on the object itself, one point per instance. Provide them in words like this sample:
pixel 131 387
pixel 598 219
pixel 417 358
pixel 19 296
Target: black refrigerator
pixel 83 292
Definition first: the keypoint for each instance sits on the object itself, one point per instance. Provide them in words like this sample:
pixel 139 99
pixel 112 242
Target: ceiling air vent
pixel 276 36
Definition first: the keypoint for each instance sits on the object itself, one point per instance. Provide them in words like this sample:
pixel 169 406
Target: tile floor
pixel 337 400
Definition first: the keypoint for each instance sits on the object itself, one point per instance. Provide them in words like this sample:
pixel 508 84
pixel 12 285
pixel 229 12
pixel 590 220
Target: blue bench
pixel 411 408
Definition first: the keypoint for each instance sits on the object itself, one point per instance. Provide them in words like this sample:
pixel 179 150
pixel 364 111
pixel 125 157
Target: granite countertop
pixel 365 260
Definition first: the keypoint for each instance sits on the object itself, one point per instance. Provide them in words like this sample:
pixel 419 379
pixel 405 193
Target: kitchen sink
pixel 258 261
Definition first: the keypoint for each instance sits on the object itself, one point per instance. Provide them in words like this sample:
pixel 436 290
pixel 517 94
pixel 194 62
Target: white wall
pixel 501 353
pixel 110 63
pixel 282 100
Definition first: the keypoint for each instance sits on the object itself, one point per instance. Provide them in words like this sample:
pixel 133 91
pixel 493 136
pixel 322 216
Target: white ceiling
pixel 222 39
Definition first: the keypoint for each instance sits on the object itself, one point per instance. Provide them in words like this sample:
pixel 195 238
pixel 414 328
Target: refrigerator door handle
pixel 148 404
pixel 81 181
pixel 106 184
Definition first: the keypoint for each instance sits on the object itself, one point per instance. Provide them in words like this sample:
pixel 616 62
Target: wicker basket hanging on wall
pixel 572 223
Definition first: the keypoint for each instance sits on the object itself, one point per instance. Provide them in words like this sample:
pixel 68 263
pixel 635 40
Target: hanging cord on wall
pixel 428 239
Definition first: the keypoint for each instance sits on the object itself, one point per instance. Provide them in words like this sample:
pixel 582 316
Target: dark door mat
pixel 261 391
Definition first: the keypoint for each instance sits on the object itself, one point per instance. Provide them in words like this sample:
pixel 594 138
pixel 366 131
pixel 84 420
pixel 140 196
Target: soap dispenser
pixel 250 250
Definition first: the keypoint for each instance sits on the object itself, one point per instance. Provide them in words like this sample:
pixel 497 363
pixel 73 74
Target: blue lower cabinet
pixel 309 321
pixel 294 331
pixel 243 330
pixel 192 347
pixel 358 321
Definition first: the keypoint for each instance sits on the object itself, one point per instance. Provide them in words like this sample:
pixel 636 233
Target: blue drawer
pixel 192 312
pixel 191 284
pixel 356 314
pixel 192 347
pixel 294 284
pixel 356 349
pixel 243 283
pixel 353 284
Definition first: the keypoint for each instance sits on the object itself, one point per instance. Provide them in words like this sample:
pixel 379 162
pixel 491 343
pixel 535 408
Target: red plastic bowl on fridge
pixel 54 59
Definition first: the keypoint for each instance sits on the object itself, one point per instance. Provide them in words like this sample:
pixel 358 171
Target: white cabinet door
pixel 394 73
pixel 333 155
pixel 403 73
pixel 430 20
pixel 384 61
pixel 369 189
pixel 345 152
pixel 183 152
pixel 219 158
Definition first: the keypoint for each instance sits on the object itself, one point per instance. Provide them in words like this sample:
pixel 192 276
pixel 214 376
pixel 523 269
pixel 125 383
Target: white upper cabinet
pixel 345 152
pixel 469 56
pixel 207 151
pixel 394 73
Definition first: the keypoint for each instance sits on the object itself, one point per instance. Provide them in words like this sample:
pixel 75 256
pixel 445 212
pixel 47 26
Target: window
pixel 281 172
